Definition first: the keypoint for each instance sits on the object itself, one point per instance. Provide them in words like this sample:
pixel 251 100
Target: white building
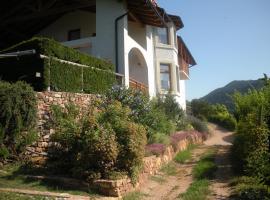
pixel 136 35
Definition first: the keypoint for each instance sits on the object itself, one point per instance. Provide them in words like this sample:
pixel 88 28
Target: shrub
pixel 159 138
pixel 97 143
pixel 58 75
pixel 155 149
pixel 198 125
pixel 143 111
pixel 250 149
pixel 171 108
pixel 251 144
pixel 131 137
pixel 17 117
pixel 249 188
pixel 228 122
pixel 86 148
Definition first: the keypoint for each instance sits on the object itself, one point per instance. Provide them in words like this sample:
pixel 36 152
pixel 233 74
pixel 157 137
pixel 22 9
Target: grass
pixel 158 179
pixel 169 169
pixel 11 177
pixel 206 166
pixel 202 172
pixel 185 155
pixel 15 196
pixel 198 190
pixel 134 196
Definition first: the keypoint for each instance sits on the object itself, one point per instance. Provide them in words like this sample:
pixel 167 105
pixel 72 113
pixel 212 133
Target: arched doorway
pixel 138 72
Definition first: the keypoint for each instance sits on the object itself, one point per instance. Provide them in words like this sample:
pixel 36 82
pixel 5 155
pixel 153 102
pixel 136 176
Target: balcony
pixel 138 86
pixel 120 78
pixel 84 45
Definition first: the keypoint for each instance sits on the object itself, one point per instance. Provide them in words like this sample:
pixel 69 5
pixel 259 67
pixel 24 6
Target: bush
pixel 143 111
pixel 249 188
pixel 131 137
pixel 198 125
pixel 228 122
pixel 18 114
pixel 57 75
pixel 97 143
pixel 251 145
pixel 155 149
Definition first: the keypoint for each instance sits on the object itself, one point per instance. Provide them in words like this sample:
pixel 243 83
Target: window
pixel 165 78
pixel 74 34
pixel 163 35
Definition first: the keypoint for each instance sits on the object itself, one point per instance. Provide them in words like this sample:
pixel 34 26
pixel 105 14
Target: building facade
pixel 137 36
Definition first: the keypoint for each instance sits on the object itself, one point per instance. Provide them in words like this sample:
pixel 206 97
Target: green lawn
pixel 11 177
pixel 15 196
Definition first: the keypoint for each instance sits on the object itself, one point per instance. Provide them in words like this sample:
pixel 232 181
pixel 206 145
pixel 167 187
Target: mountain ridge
pixel 222 95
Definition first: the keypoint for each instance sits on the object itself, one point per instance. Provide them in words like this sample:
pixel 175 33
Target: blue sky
pixel 229 39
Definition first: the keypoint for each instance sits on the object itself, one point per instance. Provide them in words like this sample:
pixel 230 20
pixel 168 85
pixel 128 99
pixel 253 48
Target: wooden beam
pixel 14 10
pixel 46 13
pixel 134 18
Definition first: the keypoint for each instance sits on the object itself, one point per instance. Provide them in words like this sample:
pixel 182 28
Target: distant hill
pixel 222 95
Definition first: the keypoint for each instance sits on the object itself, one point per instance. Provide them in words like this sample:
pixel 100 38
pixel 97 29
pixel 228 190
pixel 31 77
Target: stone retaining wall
pixel 38 151
pixel 151 165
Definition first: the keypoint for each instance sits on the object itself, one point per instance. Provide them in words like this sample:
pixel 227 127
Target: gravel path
pixel 169 187
pixel 222 139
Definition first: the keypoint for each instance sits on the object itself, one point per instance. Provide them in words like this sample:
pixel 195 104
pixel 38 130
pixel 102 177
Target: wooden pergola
pixel 20 20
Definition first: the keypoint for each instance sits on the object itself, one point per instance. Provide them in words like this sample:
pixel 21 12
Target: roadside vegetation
pixel 250 152
pixel 202 173
pixel 14 196
pixel 217 114
pixel 106 140
pixel 182 156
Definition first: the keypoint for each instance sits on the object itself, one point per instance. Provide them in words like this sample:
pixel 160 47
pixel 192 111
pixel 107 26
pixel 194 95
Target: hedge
pixel 59 76
pixel 50 47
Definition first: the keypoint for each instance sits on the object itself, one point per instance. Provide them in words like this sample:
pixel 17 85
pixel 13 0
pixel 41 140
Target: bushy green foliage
pixel 18 112
pixel 171 108
pixel 251 145
pixel 217 114
pixel 57 75
pixel 131 137
pixel 200 109
pixel 143 111
pixel 50 47
pixel 249 188
pixel 220 115
pixel 198 124
pixel 101 140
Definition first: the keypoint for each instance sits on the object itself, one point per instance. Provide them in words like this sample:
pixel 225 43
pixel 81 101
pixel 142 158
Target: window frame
pixel 70 32
pixel 168 42
pixel 167 72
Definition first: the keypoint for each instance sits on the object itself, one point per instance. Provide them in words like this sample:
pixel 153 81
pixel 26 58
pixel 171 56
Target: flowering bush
pixel 155 149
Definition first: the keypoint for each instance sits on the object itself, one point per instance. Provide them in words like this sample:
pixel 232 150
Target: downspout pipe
pixel 116 40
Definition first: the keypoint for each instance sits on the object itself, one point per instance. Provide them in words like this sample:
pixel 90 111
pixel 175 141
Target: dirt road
pixel 168 187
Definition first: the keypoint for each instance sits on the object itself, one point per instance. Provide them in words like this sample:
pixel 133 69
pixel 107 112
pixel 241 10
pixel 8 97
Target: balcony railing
pixel 134 84
pixel 138 85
